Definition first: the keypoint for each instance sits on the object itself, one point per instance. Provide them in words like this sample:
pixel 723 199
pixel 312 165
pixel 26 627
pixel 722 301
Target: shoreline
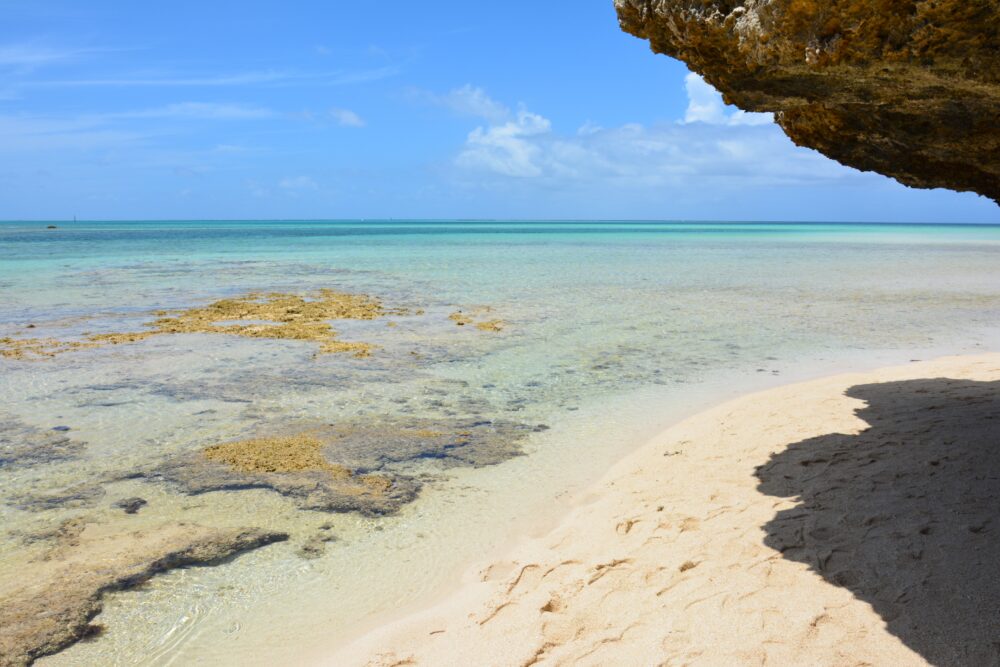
pixel 314 631
pixel 717 388
pixel 503 603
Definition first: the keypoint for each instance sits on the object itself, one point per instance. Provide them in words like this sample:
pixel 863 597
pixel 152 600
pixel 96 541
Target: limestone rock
pixel 48 604
pixel 907 88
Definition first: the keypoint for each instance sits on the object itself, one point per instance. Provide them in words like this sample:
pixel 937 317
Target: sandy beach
pixel 843 521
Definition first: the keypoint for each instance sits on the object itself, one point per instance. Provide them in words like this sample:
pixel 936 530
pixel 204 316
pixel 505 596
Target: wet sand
pixel 847 520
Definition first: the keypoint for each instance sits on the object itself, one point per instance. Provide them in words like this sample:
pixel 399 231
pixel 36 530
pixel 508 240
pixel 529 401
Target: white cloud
pixel 705 105
pixel 347 118
pixel 507 149
pixel 297 184
pixel 713 147
pixel 468 101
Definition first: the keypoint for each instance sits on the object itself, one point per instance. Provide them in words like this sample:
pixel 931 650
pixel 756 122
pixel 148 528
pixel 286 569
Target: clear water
pixel 613 330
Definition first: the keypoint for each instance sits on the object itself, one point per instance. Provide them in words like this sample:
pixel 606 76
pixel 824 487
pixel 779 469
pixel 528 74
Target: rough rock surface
pixel 907 88
pixel 352 466
pixel 319 490
pixel 48 604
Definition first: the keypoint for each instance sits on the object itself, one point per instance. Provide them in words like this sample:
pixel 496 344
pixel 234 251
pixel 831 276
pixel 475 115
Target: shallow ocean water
pixel 612 330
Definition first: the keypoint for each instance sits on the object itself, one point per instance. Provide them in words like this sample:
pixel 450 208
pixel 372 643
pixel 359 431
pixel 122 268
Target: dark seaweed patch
pixel 23 445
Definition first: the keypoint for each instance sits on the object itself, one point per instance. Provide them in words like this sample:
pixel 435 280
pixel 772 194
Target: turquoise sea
pixel 608 332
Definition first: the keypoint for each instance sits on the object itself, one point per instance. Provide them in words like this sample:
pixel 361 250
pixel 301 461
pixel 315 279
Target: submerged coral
pixel 315 545
pixel 271 315
pixel 23 445
pixel 296 471
pixel 83 494
pixel 290 453
pixel 293 317
pixel 375 444
pixel 36 348
pixel 462 318
pixel 491 325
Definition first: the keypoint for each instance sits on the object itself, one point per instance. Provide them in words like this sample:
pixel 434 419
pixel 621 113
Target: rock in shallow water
pixel 370 495
pixel 131 505
pixel 50 603
pixel 357 465
pixel 907 88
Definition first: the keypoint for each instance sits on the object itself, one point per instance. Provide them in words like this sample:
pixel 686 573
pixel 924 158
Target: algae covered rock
pixel 350 466
pixel 271 315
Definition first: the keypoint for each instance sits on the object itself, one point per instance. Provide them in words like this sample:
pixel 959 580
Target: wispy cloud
pixel 198 110
pixel 298 184
pixel 27 56
pixel 466 101
pixel 24 132
pixel 34 134
pixel 261 78
pixel 230 149
pixel 347 118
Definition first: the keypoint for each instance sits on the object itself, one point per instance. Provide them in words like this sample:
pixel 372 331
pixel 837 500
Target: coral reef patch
pixel 344 467
pixel 462 318
pixel 272 315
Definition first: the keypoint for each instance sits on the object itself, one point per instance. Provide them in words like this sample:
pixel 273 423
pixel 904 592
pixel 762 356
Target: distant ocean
pixel 599 334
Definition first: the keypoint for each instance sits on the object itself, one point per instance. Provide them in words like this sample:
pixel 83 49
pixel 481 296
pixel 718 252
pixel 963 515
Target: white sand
pixel 874 542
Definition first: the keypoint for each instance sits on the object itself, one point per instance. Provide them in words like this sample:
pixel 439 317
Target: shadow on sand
pixel 905 515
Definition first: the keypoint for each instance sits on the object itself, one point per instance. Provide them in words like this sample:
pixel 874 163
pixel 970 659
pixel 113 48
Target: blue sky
pixel 392 109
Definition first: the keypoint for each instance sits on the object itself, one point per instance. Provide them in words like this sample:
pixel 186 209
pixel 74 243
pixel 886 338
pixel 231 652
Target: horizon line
pixel 498 220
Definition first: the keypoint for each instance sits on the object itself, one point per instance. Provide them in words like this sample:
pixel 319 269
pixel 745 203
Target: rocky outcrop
pixel 48 604
pixel 907 88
